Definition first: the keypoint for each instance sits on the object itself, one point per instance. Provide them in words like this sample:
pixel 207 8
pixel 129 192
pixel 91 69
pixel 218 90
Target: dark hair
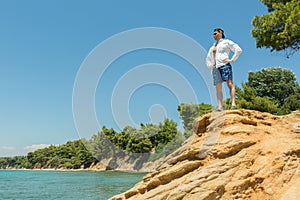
pixel 220 31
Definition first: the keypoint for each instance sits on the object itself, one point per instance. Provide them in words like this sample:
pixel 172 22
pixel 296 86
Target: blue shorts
pixel 222 73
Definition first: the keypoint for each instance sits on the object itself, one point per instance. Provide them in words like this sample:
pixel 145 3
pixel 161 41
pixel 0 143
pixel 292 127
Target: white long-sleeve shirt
pixel 223 49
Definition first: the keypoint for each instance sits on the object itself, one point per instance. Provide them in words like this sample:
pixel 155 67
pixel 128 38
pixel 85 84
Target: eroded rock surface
pixel 239 154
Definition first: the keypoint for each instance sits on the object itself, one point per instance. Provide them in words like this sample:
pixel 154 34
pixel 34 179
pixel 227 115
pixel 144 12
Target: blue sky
pixel 43 44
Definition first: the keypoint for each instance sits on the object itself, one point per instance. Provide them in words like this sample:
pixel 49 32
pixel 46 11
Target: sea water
pixel 40 184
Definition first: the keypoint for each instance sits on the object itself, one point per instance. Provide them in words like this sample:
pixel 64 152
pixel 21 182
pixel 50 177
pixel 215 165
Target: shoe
pixel 219 109
pixel 233 108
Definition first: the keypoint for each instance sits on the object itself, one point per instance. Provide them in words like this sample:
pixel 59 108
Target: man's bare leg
pixel 232 92
pixel 219 95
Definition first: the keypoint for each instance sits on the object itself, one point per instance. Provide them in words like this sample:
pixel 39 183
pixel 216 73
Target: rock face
pixel 237 154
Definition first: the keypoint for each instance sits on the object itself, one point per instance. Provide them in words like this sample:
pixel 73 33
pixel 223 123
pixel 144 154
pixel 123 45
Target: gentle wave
pixel 41 184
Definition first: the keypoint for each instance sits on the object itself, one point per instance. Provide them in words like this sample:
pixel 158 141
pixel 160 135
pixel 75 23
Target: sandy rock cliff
pixel 237 154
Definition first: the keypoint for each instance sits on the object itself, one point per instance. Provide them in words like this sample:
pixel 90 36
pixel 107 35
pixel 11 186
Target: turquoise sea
pixel 40 184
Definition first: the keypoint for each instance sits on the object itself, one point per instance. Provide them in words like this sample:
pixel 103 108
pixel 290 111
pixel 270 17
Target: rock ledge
pixel 239 154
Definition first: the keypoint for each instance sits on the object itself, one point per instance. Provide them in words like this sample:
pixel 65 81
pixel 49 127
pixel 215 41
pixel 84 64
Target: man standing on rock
pixel 218 60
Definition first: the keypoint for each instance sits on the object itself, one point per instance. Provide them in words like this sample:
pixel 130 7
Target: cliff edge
pixel 236 154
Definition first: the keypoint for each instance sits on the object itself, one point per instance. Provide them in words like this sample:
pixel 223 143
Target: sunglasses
pixel 215 33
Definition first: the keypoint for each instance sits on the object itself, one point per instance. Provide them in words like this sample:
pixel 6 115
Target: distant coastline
pixel 70 170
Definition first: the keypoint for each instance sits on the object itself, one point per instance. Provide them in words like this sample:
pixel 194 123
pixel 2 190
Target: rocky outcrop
pixel 236 154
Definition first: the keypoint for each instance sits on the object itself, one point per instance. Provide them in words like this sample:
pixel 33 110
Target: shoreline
pixel 74 170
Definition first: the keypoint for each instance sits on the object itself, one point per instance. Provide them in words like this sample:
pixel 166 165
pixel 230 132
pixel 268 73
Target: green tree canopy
pixel 275 82
pixel 158 140
pixel 278 30
pixel 273 90
pixel 248 99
